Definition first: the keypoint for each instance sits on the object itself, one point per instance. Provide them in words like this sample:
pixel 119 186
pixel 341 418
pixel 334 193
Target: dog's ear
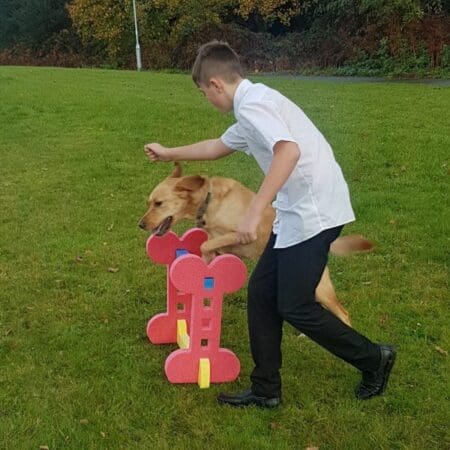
pixel 177 171
pixel 190 184
pixel 222 188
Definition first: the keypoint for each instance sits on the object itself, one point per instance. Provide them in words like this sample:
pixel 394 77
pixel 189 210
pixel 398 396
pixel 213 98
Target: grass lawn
pixel 76 287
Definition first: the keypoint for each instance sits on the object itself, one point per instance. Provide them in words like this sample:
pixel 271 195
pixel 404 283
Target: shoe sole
pixel 265 404
pixel 389 366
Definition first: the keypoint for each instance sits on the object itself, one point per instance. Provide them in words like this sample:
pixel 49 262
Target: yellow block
pixel 204 373
pixel 182 336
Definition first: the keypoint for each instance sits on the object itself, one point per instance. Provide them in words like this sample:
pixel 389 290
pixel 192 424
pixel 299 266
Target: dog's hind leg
pixel 326 296
pixel 347 245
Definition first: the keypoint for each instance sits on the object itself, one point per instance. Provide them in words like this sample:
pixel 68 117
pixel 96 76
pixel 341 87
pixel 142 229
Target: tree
pixel 107 21
pixel 270 10
pixel 31 22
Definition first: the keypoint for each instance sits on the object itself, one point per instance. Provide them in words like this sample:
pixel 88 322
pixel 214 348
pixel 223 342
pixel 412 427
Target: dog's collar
pixel 200 221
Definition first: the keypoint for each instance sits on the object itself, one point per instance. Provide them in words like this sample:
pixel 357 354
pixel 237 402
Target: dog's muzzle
pixel 163 227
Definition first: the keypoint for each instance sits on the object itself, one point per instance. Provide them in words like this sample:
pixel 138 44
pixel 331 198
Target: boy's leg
pixel 265 324
pixel 265 330
pixel 299 270
pixel 282 287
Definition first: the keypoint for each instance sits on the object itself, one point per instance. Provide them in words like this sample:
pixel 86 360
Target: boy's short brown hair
pixel 216 58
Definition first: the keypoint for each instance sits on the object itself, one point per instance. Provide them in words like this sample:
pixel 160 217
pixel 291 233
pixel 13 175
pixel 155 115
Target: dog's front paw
pixel 208 257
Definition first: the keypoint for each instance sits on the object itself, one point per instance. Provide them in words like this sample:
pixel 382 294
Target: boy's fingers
pixel 151 153
pixel 148 148
pixel 247 238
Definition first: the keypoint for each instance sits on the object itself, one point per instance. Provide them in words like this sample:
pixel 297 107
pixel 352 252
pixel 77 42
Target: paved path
pixel 430 81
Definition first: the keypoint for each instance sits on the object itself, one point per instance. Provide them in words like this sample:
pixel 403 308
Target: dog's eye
pixel 157 204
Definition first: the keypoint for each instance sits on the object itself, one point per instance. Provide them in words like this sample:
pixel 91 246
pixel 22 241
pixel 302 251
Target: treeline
pixel 365 37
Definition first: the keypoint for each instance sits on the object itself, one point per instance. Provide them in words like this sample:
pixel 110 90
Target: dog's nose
pixel 142 224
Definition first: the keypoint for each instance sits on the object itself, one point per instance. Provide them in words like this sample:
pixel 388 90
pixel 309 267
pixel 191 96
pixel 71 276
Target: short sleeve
pixel 264 120
pixel 233 138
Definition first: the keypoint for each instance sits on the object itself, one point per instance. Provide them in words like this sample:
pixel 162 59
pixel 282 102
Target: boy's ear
pixel 216 83
pixel 190 184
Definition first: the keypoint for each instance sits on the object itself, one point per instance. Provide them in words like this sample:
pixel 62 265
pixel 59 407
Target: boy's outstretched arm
pixel 205 150
pixel 285 157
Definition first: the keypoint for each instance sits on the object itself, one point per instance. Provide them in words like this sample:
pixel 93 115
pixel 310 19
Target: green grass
pixel 77 371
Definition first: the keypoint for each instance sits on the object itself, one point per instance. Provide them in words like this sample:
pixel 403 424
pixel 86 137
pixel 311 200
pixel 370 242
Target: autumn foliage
pixel 270 35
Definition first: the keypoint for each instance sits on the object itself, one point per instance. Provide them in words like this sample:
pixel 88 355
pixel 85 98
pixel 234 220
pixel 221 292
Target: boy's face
pixel 218 94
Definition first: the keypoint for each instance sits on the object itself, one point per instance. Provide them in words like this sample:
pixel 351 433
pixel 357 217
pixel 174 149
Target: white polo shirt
pixel 315 197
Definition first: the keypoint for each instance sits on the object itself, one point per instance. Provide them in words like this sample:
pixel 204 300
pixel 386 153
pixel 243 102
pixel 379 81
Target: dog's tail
pixel 347 245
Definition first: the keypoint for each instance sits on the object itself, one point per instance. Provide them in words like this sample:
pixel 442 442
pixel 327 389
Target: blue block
pixel 208 283
pixel 180 251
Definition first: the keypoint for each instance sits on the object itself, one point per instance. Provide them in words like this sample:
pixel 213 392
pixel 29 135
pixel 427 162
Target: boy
pixel 312 206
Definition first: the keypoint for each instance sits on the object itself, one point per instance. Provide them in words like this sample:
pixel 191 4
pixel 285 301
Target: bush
pixel 62 49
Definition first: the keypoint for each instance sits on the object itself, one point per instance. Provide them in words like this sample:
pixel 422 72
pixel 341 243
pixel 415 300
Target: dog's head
pixel 174 199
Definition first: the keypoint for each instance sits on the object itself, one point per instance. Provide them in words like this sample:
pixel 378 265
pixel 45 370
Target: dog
pixel 218 204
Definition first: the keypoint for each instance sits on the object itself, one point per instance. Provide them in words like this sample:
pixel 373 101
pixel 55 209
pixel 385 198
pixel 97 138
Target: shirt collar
pixel 240 92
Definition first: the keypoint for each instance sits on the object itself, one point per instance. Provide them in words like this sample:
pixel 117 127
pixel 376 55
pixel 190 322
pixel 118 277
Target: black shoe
pixel 248 398
pixel 374 383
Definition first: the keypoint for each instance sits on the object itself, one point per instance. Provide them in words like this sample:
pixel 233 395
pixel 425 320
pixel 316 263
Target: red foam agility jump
pixel 194 308
pixel 207 284
pixel 162 328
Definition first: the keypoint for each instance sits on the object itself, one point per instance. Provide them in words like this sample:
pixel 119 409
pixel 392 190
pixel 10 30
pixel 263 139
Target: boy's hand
pixel 247 230
pixel 156 152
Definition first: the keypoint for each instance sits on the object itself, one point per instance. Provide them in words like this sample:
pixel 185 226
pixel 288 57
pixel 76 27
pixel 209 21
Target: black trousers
pixel 282 288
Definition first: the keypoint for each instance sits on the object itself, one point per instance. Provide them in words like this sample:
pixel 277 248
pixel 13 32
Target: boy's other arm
pixel 205 150
pixel 285 157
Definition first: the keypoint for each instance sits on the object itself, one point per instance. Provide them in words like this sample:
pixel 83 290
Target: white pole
pixel 138 48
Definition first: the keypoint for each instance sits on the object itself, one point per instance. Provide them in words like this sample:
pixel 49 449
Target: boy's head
pixel 216 59
pixel 217 72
